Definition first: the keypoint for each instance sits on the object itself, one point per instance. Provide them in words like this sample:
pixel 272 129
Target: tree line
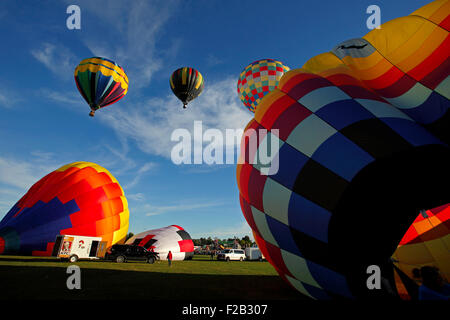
pixel 244 241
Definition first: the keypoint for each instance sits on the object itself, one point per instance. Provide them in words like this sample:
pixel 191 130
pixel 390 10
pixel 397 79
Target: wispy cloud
pixel 22 174
pixel 17 176
pixel 212 60
pixel 57 58
pixel 238 230
pixel 69 99
pixel 8 97
pixel 139 174
pixel 136 26
pixel 152 210
pixel 151 125
pixel 136 196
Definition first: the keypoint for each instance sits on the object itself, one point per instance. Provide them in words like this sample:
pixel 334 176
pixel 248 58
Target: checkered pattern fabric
pixel 258 79
pixel 331 119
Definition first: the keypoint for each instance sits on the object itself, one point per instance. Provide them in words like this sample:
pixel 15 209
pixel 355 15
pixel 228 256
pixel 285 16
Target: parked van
pixel 253 253
pixel 231 254
pixel 78 247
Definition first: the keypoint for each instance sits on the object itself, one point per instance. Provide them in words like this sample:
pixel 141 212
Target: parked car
pixel 124 252
pixel 231 254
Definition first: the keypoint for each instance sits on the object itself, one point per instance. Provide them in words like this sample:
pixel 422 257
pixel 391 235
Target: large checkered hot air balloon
pixel 258 79
pixel 101 82
pixel 81 198
pixel 358 148
pixel 172 238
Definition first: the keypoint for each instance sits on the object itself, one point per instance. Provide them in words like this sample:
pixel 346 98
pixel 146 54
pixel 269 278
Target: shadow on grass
pixel 30 282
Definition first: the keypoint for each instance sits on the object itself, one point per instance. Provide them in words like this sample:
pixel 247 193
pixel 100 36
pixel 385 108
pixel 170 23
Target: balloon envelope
pixel 173 238
pixel 81 198
pixel 258 79
pixel 357 148
pixel 101 82
pixel 187 84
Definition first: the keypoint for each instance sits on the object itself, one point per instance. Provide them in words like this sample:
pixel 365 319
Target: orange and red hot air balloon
pixel 80 198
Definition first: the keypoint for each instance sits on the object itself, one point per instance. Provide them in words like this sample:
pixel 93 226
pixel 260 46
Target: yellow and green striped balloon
pixel 101 82
pixel 187 84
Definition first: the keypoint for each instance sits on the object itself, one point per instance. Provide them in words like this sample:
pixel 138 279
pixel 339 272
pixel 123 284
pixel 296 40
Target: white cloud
pixel 71 99
pixel 136 26
pixel 151 124
pixel 22 174
pixel 136 196
pixel 239 230
pixel 140 173
pixel 213 60
pixel 57 58
pixel 17 176
pixel 8 98
pixel 152 210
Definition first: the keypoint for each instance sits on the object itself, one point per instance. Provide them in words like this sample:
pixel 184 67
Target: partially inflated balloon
pixel 172 238
pixel 426 243
pixel 101 82
pixel 187 84
pixel 258 79
pixel 358 142
pixel 80 198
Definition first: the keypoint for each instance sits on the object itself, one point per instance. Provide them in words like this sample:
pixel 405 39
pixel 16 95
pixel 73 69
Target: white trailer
pixel 253 253
pixel 79 247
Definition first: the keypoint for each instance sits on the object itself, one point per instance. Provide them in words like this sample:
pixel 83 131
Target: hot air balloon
pixel 258 79
pixel 359 150
pixel 80 198
pixel 425 243
pixel 172 238
pixel 101 82
pixel 187 84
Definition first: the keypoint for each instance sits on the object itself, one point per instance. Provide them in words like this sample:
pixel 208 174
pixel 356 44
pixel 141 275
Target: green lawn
pixel 199 278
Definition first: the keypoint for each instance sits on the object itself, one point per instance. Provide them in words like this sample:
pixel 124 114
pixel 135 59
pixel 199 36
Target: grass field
pixel 196 279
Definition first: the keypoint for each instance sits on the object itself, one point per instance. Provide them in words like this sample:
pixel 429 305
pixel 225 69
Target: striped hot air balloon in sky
pixel 361 146
pixel 101 82
pixel 187 84
pixel 258 79
pixel 81 198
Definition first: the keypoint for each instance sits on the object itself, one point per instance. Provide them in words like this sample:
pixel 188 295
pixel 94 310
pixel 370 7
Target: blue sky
pixel 44 122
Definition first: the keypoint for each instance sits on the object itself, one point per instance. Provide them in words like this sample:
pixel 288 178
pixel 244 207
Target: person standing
pixel 169 258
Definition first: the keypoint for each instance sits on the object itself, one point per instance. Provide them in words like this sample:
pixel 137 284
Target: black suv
pixel 123 252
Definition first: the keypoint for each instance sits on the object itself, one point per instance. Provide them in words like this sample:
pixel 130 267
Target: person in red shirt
pixel 169 258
